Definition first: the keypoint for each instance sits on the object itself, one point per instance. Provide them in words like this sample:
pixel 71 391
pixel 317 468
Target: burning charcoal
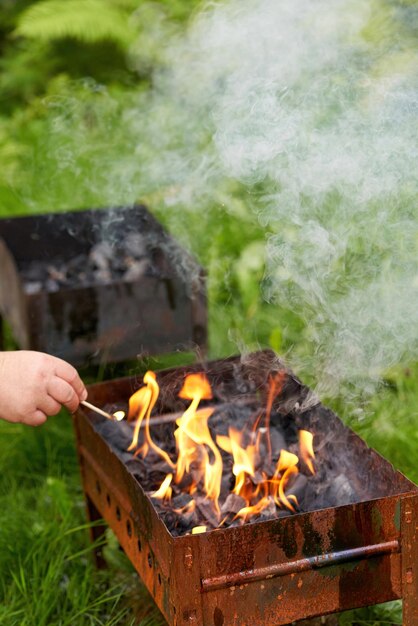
pixel 267 513
pixel 227 482
pixel 136 270
pixel 298 487
pixel 125 457
pixel 180 501
pixel 232 504
pixel 278 442
pixel 169 517
pixel 283 513
pixel 101 255
pixel 186 482
pixel 286 425
pixel 117 434
pixel 155 478
pixel 341 491
pixel 207 512
pixel 227 415
pixel 187 520
pixel 258 478
pixel 136 465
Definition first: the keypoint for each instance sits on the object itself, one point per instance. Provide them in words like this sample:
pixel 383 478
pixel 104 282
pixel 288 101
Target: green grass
pixel 47 576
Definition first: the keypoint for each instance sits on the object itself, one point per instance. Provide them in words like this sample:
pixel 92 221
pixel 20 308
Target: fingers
pixel 69 374
pixel 49 405
pixel 61 391
pixel 36 419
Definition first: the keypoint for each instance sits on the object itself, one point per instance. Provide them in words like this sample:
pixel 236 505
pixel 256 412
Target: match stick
pixel 97 410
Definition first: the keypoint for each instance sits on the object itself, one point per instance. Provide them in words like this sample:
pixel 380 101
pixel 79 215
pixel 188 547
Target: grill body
pixel 100 322
pixel 264 573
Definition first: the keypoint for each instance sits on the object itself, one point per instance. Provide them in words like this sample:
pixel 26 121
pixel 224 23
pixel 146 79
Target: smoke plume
pixel 289 100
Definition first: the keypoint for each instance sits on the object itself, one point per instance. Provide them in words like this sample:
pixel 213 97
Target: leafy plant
pixel 88 21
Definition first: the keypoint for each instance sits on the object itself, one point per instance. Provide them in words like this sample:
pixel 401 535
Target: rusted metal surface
pixel 409 525
pixel 99 322
pixel 301 565
pixel 264 573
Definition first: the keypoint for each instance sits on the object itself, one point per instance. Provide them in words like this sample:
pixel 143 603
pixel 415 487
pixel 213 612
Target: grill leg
pixel 409 531
pixel 96 532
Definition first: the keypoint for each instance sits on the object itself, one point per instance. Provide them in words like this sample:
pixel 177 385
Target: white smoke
pixel 287 97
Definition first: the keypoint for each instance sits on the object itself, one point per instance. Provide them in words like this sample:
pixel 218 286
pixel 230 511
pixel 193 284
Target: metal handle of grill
pixel 301 565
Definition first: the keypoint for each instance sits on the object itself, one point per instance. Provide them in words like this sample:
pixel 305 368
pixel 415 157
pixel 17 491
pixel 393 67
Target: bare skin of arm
pixel 34 385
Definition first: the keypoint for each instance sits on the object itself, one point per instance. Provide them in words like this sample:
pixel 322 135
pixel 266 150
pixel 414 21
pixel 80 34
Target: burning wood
pixel 248 474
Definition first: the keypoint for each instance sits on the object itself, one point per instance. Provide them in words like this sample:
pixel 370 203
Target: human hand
pixel 34 385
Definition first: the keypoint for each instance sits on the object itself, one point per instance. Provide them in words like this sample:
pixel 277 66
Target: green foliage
pixel 389 614
pixel 86 20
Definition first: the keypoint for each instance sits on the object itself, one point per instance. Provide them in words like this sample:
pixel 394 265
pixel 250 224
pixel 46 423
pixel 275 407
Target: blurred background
pixel 278 142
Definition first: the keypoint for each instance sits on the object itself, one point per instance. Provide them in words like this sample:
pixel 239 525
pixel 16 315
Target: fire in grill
pixel 239 497
pixel 94 286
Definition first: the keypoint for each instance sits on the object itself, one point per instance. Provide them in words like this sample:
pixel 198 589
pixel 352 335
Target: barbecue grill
pixel 359 551
pixel 99 286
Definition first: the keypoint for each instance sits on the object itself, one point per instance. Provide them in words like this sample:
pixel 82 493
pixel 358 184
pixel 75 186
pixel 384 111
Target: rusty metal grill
pixel 264 573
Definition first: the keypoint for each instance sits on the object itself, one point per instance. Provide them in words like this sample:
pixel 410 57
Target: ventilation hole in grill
pixel 129 528
pixel 98 487
pixel 108 499
pixel 159 579
pixel 149 560
pixel 139 545
pixel 118 515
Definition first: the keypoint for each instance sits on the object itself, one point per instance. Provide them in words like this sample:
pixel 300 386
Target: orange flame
pixel 306 449
pixel 244 458
pixel 276 384
pixel 286 468
pixel 199 456
pixel 193 439
pixel 196 387
pixel 165 491
pixel 257 508
pixel 144 400
pixel 138 405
